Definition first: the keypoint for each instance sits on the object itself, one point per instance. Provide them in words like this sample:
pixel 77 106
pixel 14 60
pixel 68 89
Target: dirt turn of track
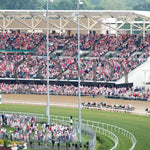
pixel 139 105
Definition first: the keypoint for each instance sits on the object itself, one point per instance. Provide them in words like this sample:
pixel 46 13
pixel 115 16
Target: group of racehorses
pixel 103 105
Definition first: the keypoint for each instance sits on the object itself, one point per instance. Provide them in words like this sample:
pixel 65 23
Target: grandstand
pixel 114 44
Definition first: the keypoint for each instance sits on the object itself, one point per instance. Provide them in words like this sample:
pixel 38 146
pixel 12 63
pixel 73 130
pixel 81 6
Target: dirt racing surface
pixel 71 101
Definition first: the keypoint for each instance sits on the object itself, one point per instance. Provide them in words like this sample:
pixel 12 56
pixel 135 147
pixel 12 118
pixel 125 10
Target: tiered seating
pixel 110 58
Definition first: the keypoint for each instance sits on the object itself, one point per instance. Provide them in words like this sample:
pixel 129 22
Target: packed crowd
pixel 19 41
pixel 73 90
pixel 96 66
pixel 29 66
pixel 26 129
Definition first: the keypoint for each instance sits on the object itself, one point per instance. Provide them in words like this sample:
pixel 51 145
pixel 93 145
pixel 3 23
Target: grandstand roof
pixel 97 20
pixel 103 13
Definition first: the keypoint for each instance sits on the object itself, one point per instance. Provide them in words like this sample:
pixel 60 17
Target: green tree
pixel 65 5
pixel 142 6
pixel 95 2
pixel 21 4
pixel 131 3
pixel 88 5
pixel 98 7
pixel 72 4
pixel 52 5
pixel 112 4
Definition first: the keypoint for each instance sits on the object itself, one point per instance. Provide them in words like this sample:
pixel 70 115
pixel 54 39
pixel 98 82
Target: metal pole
pixel 47 110
pixel 79 93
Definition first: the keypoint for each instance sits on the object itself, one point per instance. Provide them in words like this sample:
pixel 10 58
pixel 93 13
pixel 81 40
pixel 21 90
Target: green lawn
pixel 103 143
pixel 138 125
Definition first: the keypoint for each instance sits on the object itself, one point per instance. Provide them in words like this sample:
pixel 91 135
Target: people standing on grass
pixel 26 129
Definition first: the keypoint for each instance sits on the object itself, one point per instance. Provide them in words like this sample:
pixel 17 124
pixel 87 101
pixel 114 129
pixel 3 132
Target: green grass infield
pixel 136 124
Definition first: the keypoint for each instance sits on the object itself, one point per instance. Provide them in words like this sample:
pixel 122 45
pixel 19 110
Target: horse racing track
pixel 72 101
pixel 138 125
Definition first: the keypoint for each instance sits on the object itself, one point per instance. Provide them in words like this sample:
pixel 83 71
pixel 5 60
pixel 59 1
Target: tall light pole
pixel 47 48
pixel 79 80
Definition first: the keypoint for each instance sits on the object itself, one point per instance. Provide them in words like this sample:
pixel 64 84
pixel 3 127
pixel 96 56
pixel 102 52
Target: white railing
pixel 108 130
pixel 108 134
pixel 23 102
pixel 100 127
pixel 114 129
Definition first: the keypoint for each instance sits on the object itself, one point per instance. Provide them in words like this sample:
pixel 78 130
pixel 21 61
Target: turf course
pixel 138 125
